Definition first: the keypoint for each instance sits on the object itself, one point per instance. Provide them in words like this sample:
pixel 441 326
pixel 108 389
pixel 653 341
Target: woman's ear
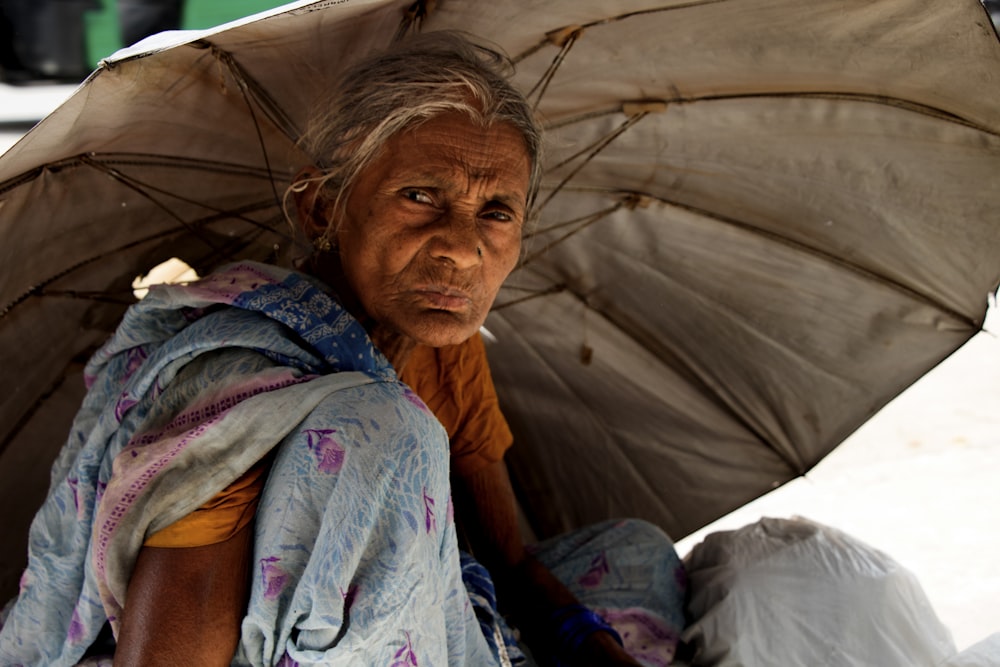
pixel 310 203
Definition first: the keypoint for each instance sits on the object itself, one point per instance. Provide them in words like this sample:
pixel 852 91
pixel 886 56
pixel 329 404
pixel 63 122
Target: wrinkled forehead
pixel 481 144
pixel 454 152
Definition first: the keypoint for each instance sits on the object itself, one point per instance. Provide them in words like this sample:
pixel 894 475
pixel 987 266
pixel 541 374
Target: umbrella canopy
pixel 761 220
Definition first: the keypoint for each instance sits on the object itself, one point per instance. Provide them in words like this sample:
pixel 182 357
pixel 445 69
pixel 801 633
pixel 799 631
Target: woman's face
pixel 433 227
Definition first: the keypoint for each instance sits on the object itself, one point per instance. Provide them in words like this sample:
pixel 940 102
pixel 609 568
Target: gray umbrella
pixel 761 220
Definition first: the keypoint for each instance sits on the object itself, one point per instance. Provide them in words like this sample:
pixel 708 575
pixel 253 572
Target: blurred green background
pixel 102 31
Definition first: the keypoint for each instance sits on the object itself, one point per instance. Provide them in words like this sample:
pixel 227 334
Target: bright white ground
pixel 920 481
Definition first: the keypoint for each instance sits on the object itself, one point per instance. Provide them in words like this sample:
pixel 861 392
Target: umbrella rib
pixel 251 90
pixel 180 162
pixel 585 222
pixel 144 188
pixel 103 296
pixel 885 100
pixel 679 365
pixel 18 426
pixel 543 362
pixel 641 198
pixel 137 187
pixel 547 40
pixel 147 160
pixel 542 84
pixel 566 223
pixel 39 288
pixel 594 149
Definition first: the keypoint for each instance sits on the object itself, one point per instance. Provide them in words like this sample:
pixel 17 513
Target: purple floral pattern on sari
pixel 76 629
pixel 598 568
pixel 430 521
pixel 329 453
pixel 134 359
pixel 405 657
pixel 272 577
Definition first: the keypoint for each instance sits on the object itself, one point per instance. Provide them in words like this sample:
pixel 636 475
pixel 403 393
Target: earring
pixel 479 251
pixel 322 243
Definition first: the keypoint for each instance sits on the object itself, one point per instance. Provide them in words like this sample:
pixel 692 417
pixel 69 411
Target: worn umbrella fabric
pixel 761 220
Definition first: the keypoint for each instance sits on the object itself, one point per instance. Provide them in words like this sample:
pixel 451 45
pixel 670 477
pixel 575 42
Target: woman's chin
pixel 439 328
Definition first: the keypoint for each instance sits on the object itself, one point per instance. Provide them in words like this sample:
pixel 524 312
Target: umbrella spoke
pixel 885 100
pixel 547 40
pixel 138 160
pixel 634 200
pixel 101 296
pixel 584 222
pixel 634 115
pixel 530 296
pixel 145 189
pixel 564 39
pixel 252 91
pixel 140 188
pixel 585 219
pixel 230 251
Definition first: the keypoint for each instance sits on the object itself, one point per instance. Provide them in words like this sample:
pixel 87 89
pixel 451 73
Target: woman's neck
pixel 395 346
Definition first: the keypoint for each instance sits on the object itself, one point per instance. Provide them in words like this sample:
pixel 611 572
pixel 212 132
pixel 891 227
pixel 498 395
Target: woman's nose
pixel 456 239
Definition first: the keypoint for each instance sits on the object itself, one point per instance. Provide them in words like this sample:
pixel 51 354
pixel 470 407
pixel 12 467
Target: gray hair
pixel 412 82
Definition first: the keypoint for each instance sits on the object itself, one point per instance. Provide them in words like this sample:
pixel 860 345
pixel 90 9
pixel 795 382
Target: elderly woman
pixel 251 473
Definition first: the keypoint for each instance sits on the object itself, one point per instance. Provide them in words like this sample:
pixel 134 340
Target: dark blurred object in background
pixel 993 7
pixel 43 40
pixel 141 18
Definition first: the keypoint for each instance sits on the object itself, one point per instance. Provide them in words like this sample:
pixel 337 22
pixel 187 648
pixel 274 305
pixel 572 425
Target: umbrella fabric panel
pixel 882 190
pixel 294 55
pixel 102 202
pixel 586 441
pixel 902 49
pixel 760 336
pixel 858 183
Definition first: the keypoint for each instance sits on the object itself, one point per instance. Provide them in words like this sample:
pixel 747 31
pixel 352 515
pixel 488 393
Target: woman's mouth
pixel 445 298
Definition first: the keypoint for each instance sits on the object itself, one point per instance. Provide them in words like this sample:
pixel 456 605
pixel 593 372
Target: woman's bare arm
pixel 486 507
pixel 184 605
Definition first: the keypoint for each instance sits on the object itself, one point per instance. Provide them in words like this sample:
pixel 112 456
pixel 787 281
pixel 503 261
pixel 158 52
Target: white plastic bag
pixel 790 592
pixel 985 653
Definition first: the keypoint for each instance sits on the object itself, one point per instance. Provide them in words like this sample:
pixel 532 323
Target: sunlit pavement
pixel 22 106
pixel 919 481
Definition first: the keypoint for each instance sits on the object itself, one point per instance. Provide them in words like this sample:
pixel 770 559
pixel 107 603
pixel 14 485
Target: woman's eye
pixel 498 214
pixel 418 196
